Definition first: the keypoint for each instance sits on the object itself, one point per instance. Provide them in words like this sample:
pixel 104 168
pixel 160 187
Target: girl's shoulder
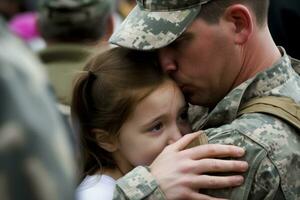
pixel 96 187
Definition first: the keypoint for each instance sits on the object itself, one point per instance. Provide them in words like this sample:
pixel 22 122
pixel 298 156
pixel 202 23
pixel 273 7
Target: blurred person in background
pixel 21 18
pixel 72 29
pixel 36 160
pixel 24 25
pixel 125 6
pixel 9 8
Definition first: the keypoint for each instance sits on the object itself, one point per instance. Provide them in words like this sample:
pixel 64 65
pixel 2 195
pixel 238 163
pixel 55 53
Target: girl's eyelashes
pixel 156 127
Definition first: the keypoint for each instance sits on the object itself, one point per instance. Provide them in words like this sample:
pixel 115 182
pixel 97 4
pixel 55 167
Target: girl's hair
pixel 105 94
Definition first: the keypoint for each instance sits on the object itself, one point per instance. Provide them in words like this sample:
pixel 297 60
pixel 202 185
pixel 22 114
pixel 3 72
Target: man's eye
pixel 184 115
pixel 177 43
pixel 180 42
pixel 174 44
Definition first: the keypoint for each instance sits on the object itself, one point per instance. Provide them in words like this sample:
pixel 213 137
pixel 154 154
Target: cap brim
pixel 149 30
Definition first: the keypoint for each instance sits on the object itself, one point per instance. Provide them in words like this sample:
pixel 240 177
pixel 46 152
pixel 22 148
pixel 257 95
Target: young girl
pixel 127 111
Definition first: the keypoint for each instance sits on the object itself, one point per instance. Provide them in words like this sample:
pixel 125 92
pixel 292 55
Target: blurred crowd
pixel 62 35
pixel 22 18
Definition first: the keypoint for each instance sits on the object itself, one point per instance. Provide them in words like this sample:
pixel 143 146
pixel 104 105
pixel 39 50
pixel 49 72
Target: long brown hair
pixel 105 94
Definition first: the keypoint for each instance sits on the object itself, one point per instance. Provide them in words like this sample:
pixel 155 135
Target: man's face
pixel 204 61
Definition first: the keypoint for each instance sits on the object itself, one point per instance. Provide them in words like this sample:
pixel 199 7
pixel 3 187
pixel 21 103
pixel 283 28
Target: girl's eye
pixel 156 128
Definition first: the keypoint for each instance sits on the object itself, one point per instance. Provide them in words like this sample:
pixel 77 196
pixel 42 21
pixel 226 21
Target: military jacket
pixel 36 160
pixel 272 146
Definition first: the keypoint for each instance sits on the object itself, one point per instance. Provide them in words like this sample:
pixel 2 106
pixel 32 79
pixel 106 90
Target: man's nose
pixel 167 60
pixel 174 135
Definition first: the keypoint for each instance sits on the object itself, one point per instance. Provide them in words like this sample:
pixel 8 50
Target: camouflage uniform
pixel 138 184
pixel 272 145
pixel 36 159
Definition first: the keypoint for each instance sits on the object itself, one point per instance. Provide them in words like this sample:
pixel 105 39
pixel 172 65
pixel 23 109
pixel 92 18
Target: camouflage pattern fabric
pixel 153 24
pixel 138 184
pixel 272 145
pixel 36 159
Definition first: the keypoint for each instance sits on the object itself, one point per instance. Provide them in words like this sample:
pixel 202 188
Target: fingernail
pixel 241 151
pixel 244 166
pixel 239 180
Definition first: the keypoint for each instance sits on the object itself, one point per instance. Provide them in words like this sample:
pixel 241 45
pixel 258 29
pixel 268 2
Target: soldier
pixel 73 29
pixel 35 153
pixel 221 54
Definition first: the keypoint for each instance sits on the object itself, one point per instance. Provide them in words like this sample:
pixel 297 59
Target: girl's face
pixel 157 121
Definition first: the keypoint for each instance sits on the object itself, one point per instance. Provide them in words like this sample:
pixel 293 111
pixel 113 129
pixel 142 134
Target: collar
pixel 260 85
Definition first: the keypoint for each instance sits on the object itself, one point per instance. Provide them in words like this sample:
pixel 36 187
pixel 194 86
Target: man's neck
pixel 258 54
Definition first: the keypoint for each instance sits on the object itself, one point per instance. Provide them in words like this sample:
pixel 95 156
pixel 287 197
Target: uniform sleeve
pixel 262 178
pixel 138 184
pixel 266 182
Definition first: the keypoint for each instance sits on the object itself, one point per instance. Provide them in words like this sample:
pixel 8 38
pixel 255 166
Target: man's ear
pixel 105 140
pixel 242 19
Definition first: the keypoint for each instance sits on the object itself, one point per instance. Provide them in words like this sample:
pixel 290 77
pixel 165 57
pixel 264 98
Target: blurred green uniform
pixel 62 62
pixel 36 160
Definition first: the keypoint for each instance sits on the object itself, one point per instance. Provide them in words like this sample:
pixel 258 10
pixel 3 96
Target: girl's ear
pixel 105 140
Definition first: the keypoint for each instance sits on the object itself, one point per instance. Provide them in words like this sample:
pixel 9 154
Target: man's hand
pixel 181 172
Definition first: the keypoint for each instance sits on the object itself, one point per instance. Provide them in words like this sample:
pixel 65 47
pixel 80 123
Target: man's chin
pixel 195 100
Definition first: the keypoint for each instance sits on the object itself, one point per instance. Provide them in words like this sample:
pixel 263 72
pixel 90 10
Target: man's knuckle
pixel 184 194
pixel 212 182
pixel 216 165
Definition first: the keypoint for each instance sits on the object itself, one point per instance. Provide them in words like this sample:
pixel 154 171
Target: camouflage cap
pixel 73 10
pixel 153 24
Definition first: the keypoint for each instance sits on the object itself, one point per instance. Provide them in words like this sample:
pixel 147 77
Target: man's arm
pixel 266 182
pixel 261 179
pixel 138 184
pixel 180 173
